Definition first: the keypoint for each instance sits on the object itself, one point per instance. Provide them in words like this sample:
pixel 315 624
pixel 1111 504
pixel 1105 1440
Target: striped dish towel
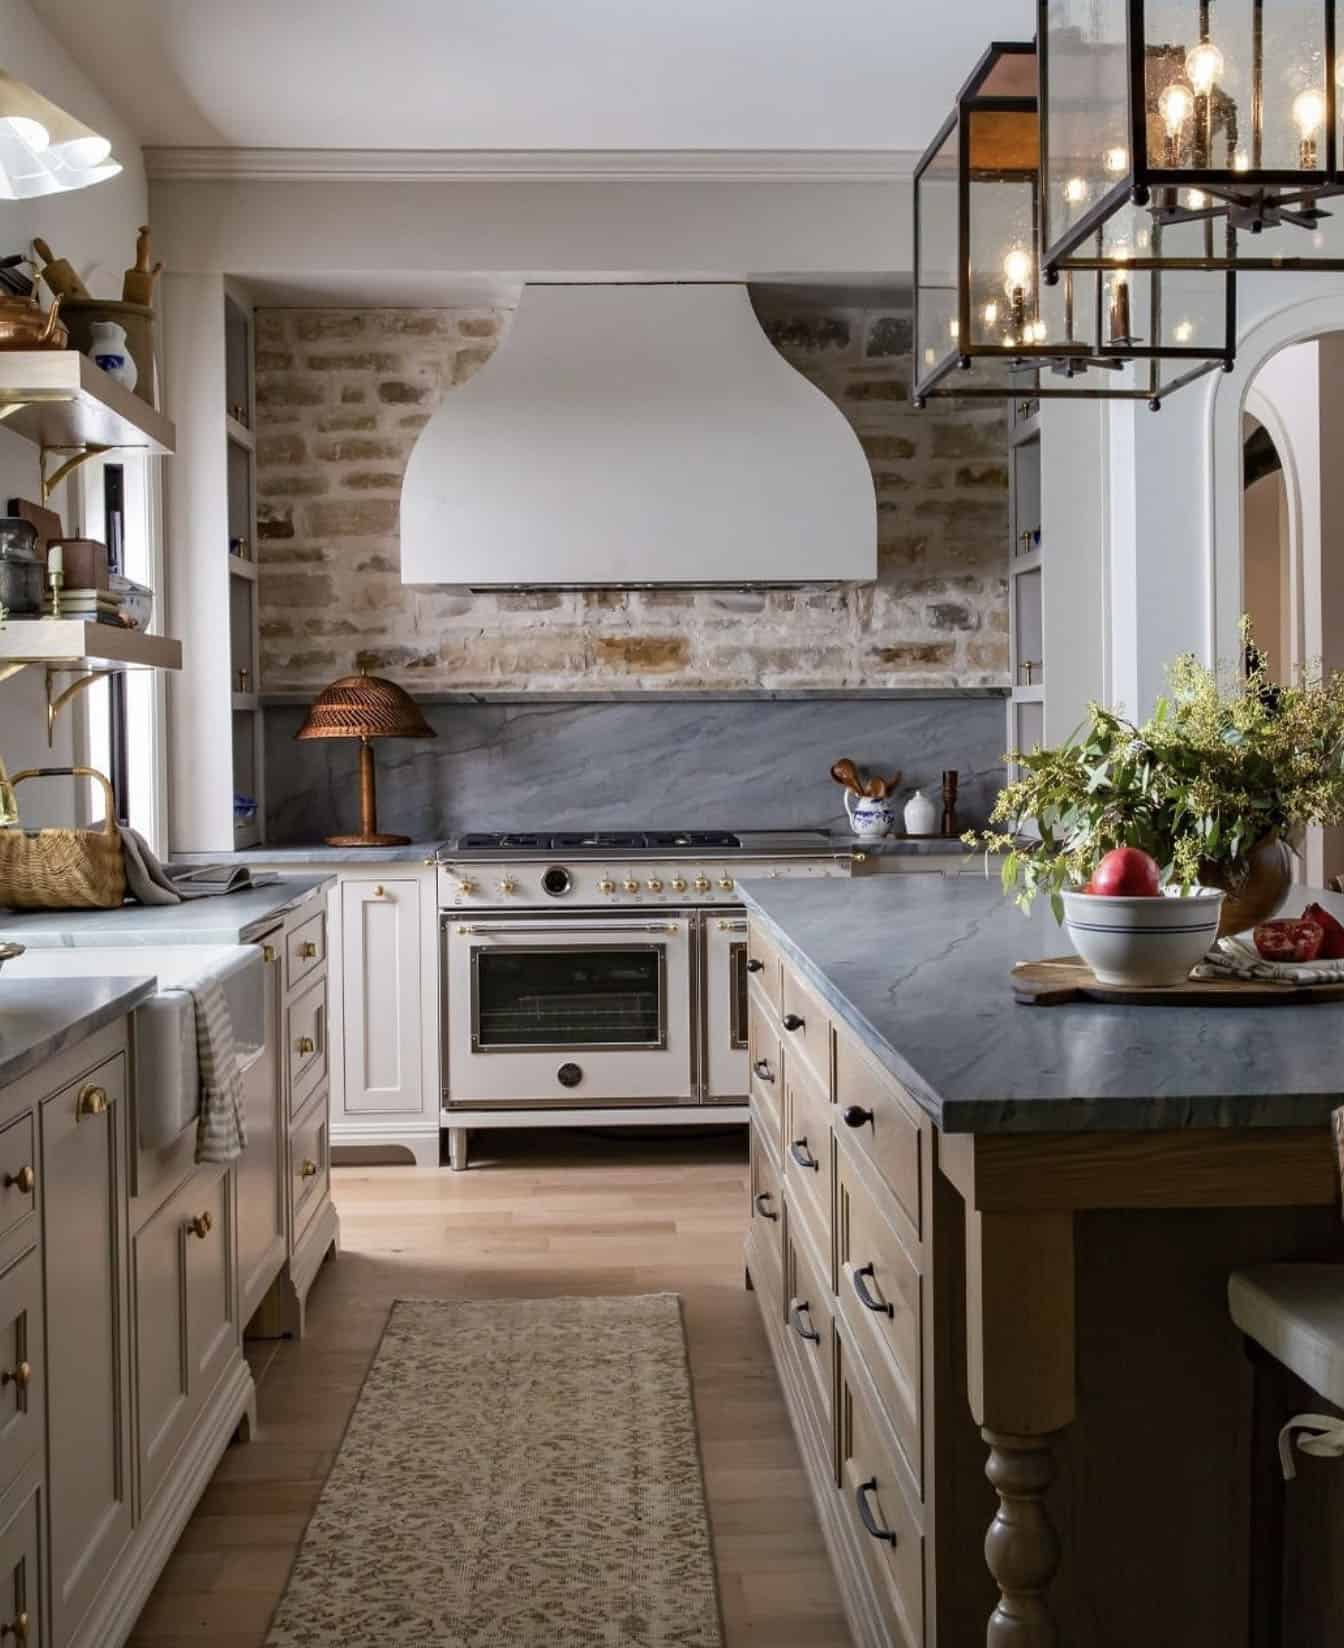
pixel 221 1131
pixel 1235 958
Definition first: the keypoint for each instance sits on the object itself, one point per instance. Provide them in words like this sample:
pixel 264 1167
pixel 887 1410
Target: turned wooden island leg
pixel 1020 1379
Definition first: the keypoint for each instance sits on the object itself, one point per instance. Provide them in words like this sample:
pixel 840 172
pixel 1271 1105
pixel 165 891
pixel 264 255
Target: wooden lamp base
pixel 369 834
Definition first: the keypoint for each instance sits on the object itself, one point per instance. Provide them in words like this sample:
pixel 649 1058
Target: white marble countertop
pixel 231 918
pixel 37 1022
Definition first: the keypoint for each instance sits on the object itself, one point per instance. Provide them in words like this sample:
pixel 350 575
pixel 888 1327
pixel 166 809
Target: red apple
pixel 1127 872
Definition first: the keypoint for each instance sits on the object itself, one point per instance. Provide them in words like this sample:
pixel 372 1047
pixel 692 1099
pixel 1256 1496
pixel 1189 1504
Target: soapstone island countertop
pixel 37 1022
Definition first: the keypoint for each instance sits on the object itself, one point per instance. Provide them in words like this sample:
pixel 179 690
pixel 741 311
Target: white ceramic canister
pixel 921 815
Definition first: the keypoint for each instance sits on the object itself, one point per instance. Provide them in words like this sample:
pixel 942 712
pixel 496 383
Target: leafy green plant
pixel 1226 759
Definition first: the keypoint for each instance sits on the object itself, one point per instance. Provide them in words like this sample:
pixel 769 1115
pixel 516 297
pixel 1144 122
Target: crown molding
pixel 532 165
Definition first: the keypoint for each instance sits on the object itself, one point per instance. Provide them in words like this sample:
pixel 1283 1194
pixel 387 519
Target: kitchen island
pixel 1026 1217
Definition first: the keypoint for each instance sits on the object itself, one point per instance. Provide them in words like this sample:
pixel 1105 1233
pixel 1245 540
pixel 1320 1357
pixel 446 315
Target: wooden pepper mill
pixel 950 826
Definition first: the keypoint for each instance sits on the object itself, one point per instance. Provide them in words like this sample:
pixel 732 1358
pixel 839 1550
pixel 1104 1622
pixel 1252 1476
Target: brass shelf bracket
pixel 57 704
pixel 78 455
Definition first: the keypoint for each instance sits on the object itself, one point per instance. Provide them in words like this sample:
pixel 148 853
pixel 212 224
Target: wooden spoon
pixel 845 772
pixel 888 785
pixel 876 790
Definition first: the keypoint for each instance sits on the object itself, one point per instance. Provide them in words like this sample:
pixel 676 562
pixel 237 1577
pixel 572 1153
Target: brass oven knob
pixel 201 1225
pixel 606 885
pixel 508 885
pixel 678 884
pixel 725 884
pixel 92 1101
pixel 20 1376
pixel 702 884
pixel 631 886
pixel 308 1170
pixel 655 886
pixel 306 1045
pixel 23 1180
pixel 466 885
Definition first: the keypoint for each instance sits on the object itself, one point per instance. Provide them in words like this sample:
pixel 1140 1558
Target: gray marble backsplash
pixel 646 763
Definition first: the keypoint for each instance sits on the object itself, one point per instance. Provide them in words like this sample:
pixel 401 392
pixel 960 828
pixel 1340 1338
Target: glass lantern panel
pixel 1087 108
pixel 936 206
pixel 1192 310
pixel 1004 157
pixel 1249 96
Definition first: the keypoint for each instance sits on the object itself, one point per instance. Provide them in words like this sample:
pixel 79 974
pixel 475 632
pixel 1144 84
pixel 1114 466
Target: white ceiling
pixel 533 74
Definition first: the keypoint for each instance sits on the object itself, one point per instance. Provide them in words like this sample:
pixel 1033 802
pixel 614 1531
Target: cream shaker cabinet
pixel 261 1169
pixel 380 994
pixel 85 1247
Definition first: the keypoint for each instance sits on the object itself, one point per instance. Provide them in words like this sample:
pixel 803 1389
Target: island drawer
pixel 309 1167
pixel 876 1117
pixel 880 1301
pixel 763 966
pixel 807 1029
pixel 306 1034
pixel 765 1231
pixel 810 1325
pixel 305 949
pixel 808 1154
pixel 22 1403
pixel 767 1070
pixel 21 1575
pixel 882 1522
pixel 17 1172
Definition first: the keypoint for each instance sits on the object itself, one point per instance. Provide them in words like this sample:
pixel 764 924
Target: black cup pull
pixel 866 1299
pixel 854 1115
pixel 762 1198
pixel 763 1070
pixel 870 1522
pixel 792 1021
pixel 755 965
pixel 802 1155
pixel 803 1328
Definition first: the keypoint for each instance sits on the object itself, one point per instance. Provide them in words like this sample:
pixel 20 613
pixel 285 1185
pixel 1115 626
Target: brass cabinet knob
pixel 268 954
pixel 307 949
pixel 378 890
pixel 21 1376
pixel 306 1045
pixel 201 1225
pixel 23 1180
pixel 17 1628
pixel 92 1101
pixel 308 1170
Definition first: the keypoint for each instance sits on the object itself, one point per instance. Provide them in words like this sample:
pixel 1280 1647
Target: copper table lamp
pixel 365 707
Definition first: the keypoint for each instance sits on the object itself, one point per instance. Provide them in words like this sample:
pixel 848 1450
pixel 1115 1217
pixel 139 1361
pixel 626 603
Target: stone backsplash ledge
pixel 342 395
pixel 650 763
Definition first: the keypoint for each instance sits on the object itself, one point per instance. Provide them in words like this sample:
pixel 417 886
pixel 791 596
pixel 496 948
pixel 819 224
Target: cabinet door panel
pixel 380 984
pixel 261 1167
pixel 211 1329
pixel 22 1365
pixel 88 1356
pixel 21 1574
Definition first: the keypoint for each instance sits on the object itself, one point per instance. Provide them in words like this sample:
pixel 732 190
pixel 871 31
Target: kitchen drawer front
pixel 809 1324
pixel 21 1571
pixel 807 1029
pixel 766 1227
pixel 309 1168
pixel 875 1117
pixel 882 1521
pixel 880 1298
pixel 767 1069
pixel 306 1034
pixel 808 1154
pixel 18 1173
pixel 22 1367
pixel 305 949
pixel 763 966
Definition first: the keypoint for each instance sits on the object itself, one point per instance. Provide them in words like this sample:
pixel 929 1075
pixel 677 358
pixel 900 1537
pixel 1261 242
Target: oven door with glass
pixel 570 1011
pixel 724 1009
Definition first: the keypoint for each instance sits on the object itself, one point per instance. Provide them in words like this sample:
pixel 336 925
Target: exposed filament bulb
pixel 1203 65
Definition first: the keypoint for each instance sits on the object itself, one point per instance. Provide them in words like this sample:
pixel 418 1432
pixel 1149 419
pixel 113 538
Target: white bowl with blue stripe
pixel 1147 942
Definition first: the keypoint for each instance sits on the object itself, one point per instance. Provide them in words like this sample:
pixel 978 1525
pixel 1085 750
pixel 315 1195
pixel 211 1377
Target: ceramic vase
pixel 921 815
pixel 1256 886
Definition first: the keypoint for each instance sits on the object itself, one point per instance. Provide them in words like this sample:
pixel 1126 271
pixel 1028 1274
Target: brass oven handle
pixel 23 1180
pixel 308 1170
pixel 21 1376
pixel 92 1101
pixel 306 1045
pixel 201 1225
pixel 608 929
pixel 761 1198
pixel 307 949
pixel 764 1073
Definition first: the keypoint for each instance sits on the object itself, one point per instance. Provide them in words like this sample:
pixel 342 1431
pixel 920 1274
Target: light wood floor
pixel 536 1214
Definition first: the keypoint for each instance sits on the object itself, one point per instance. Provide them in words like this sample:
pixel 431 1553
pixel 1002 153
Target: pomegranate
pixel 1289 940
pixel 1126 872
pixel 1332 944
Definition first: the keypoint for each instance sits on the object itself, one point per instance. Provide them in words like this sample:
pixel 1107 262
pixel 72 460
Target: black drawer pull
pixel 866 1299
pixel 792 1021
pixel 854 1115
pixel 764 1072
pixel 803 1156
pixel 870 1522
pixel 797 1311
pixel 762 1198
pixel 755 965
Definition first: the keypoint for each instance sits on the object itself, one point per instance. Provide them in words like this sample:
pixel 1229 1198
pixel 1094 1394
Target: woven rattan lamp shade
pixel 365 707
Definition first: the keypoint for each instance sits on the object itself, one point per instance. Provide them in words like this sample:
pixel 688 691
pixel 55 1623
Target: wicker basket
pixel 62 869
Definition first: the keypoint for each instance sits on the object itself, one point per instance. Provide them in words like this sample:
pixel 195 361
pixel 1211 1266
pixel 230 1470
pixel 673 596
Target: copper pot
pixel 24 324
pixel 1256 885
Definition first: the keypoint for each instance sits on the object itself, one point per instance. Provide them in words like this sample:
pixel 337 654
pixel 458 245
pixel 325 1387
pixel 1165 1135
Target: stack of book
pixel 92 605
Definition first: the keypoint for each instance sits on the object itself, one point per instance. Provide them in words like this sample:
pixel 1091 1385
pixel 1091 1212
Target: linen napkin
pixel 146 879
pixel 1235 958
pixel 221 1130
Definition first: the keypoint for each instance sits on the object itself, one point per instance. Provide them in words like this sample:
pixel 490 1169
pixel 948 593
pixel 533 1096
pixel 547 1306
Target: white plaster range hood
pixel 637 435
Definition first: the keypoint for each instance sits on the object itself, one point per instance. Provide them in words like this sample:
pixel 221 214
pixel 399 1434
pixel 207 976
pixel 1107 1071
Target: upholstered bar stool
pixel 1292 1316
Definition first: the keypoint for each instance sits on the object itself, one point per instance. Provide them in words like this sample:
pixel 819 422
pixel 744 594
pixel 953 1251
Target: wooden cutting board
pixel 1064 979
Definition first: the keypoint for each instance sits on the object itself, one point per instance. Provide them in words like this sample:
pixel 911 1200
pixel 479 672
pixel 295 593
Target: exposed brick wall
pixel 342 394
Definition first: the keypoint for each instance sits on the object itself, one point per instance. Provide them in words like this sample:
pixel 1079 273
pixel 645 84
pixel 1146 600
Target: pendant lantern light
pixel 1188 134
pixel 986 324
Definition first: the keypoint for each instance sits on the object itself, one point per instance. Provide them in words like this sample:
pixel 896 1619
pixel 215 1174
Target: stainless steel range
pixel 601 976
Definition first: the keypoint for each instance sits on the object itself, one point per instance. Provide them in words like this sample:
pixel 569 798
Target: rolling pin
pixel 59 274
pixel 137 284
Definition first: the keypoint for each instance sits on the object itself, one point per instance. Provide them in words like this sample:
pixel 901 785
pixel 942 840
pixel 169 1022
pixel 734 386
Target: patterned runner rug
pixel 516 1474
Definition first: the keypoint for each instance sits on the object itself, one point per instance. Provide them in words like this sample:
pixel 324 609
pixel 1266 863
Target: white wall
pixel 95 228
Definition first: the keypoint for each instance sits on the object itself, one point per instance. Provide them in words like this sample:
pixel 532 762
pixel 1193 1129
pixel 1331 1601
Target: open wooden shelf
pixel 61 400
pixel 71 643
